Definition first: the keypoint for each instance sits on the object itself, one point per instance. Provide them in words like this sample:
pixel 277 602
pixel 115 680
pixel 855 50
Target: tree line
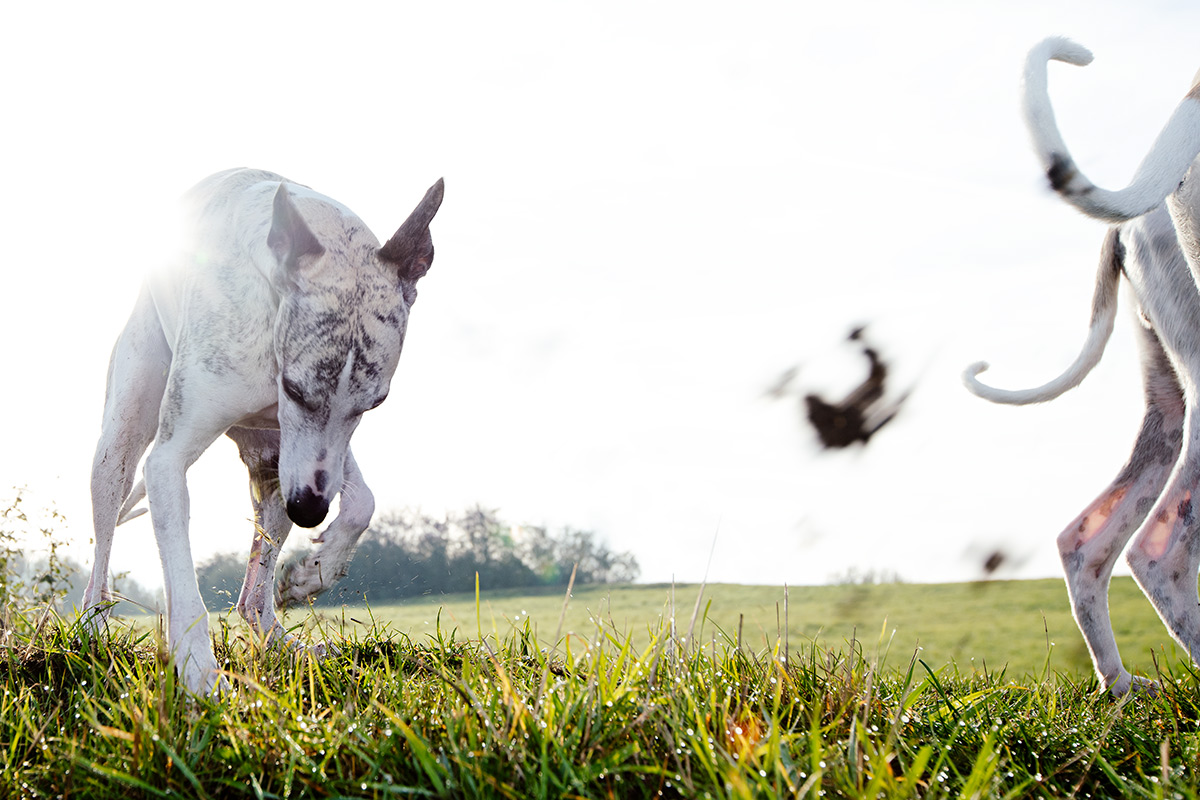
pixel 409 554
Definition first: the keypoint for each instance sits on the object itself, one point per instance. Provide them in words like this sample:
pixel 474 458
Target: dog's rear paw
pixel 202 677
pixel 94 620
pixel 1133 684
pixel 221 688
pixel 323 650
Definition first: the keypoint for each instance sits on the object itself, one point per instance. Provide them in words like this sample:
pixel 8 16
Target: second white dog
pixel 1151 499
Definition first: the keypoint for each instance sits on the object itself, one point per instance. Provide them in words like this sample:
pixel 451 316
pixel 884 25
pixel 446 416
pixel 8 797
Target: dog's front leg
pixel 259 450
pixel 326 566
pixel 255 603
pixel 166 490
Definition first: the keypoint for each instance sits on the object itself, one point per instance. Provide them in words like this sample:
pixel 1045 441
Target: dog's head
pixel 342 316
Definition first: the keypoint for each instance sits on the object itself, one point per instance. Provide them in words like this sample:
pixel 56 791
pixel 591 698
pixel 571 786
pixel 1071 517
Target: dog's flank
pixel 280 325
pixel 1162 170
pixel 1104 315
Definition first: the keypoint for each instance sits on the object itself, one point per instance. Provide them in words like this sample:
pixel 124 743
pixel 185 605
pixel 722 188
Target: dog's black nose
pixel 307 509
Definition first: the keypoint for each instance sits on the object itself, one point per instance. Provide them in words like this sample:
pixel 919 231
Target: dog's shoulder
pixel 227 197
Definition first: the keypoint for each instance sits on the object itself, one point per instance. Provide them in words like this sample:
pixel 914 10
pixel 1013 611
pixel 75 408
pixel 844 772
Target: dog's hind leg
pixel 326 566
pixel 137 376
pixel 1090 545
pixel 259 450
pixel 1165 554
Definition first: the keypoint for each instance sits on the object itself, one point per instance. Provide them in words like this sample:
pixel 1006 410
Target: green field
pixel 995 624
pixel 482 702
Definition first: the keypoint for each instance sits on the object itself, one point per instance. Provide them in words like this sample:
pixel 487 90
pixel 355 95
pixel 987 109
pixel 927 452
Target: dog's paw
pixel 1128 683
pixel 297 648
pixel 323 650
pixel 202 677
pixel 303 582
pixel 221 688
pixel 94 620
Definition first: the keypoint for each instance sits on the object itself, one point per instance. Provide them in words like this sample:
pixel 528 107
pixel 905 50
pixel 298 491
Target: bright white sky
pixel 651 211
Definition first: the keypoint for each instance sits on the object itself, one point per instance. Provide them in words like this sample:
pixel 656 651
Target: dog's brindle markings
pixel 279 325
pixel 1157 249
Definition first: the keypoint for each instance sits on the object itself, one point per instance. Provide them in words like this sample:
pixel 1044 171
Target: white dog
pixel 279 324
pixel 1151 499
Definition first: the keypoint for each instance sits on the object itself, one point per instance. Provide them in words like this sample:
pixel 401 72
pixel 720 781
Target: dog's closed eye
pixel 296 394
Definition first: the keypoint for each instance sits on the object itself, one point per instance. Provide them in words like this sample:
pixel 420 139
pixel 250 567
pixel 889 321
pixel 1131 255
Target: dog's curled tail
pixel 1104 314
pixel 1158 175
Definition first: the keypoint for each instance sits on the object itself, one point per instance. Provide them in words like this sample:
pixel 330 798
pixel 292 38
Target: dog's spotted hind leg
pixel 137 377
pixel 1165 555
pixel 1090 545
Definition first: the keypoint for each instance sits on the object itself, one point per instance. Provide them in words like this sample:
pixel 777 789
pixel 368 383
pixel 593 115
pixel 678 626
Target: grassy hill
pixel 995 623
pixel 604 713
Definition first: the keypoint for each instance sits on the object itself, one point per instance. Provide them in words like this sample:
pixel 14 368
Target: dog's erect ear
pixel 290 239
pixel 410 251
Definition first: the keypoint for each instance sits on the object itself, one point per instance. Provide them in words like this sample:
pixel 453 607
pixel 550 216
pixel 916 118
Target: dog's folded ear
pixel 410 250
pixel 290 239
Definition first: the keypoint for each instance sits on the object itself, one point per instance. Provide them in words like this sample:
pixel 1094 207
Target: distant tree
pixel 857 576
pixel 427 564
pixel 596 563
pixel 132 596
pixel 539 550
pixel 409 554
pixel 220 578
pixel 486 547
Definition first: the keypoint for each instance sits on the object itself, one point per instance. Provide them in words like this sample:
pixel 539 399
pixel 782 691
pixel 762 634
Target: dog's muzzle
pixel 307 509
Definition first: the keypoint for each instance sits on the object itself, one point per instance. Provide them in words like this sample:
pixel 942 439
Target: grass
pixel 598 713
pixel 996 624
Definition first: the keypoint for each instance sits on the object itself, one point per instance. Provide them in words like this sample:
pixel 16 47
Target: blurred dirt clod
pixel 856 417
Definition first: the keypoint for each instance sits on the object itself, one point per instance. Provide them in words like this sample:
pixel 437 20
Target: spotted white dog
pixel 279 325
pixel 1150 500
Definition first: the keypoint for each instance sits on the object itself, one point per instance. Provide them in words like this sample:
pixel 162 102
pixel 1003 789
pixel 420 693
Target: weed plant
pixel 693 713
